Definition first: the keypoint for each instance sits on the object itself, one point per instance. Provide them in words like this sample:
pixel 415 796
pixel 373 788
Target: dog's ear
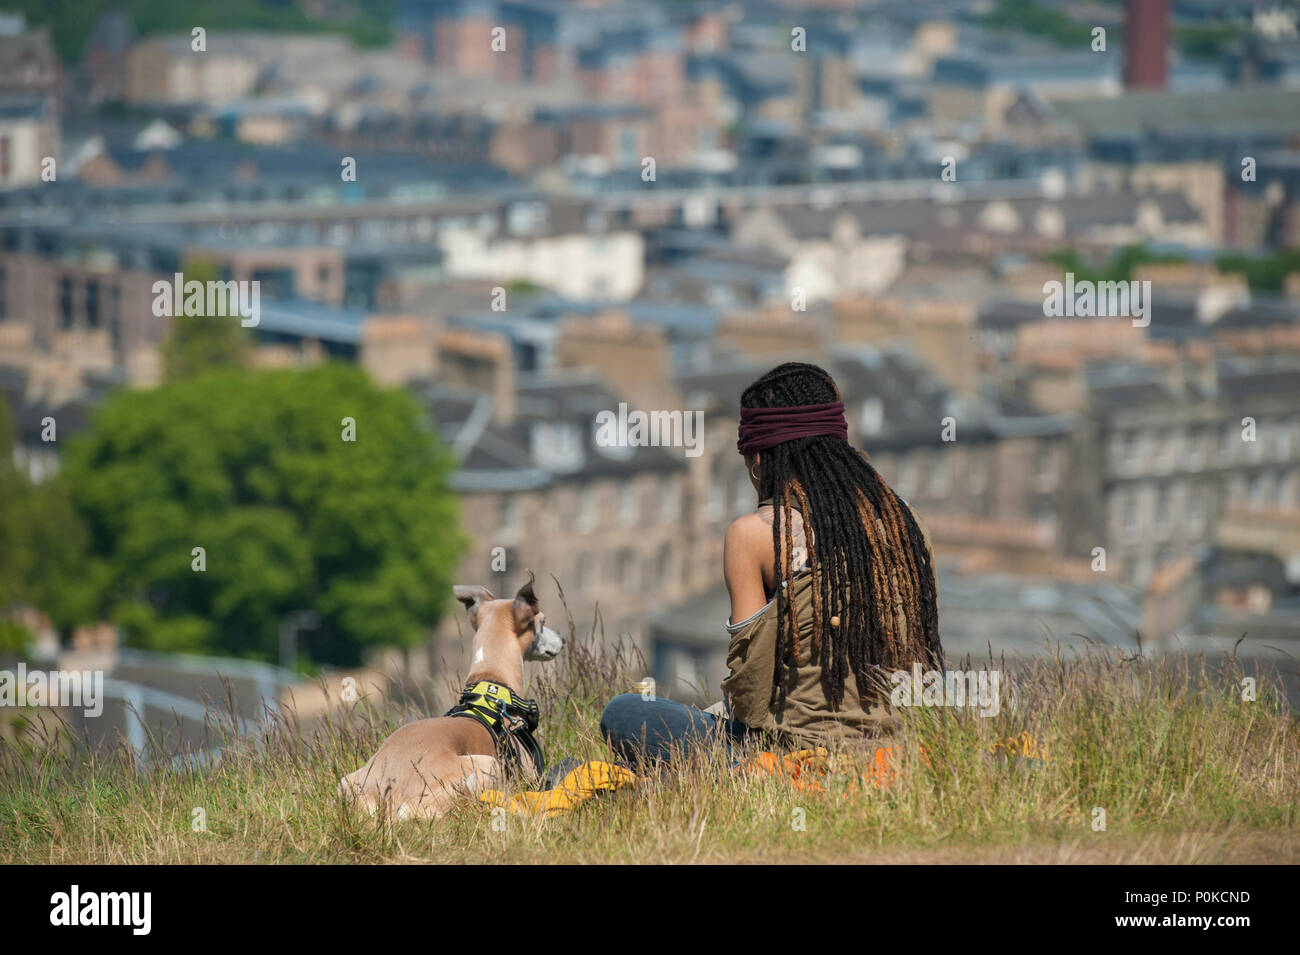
pixel 525 605
pixel 471 597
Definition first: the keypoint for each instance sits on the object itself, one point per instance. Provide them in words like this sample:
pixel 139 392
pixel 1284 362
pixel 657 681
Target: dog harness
pixel 507 716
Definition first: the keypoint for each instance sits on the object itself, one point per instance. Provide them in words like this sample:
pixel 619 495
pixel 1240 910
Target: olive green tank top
pixel 805 716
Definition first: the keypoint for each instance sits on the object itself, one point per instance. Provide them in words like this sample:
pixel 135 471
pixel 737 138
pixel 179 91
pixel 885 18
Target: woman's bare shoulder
pixel 749 526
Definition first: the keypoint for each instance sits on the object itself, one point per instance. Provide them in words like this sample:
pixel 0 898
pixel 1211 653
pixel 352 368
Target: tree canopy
pixel 200 343
pixel 41 541
pixel 217 505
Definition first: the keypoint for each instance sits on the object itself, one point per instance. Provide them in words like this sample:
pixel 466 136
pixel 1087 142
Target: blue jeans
pixel 643 731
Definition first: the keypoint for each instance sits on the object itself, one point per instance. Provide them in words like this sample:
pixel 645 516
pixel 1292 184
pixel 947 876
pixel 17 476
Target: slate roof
pixel 914 217
pixel 1243 110
pixel 912 401
pixel 500 455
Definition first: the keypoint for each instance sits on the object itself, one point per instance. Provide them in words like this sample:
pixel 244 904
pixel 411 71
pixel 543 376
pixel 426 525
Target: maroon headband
pixel 763 428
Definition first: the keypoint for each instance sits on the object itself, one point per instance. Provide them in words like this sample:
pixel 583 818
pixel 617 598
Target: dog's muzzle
pixel 547 644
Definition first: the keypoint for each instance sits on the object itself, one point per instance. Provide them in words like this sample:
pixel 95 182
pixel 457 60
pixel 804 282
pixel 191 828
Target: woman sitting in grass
pixel 831 585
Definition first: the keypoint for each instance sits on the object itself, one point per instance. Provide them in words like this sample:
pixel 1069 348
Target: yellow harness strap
pixel 506 716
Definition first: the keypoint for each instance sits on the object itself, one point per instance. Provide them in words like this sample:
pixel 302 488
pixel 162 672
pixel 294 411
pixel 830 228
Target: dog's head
pixel 521 616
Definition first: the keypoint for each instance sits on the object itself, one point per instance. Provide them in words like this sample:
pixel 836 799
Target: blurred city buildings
pixel 653 203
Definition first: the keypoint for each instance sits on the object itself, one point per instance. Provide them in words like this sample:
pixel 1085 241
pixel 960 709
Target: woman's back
pixel 803 711
pixel 831 582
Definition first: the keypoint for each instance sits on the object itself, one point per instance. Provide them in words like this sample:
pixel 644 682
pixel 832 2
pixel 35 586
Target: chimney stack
pixel 1146 44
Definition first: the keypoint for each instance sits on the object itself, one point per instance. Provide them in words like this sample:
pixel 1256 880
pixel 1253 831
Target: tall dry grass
pixel 1184 769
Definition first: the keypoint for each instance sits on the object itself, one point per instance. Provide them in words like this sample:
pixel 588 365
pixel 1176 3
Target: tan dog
pixel 424 766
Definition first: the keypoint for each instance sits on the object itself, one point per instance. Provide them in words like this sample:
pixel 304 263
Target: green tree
pixel 71 21
pixel 200 343
pixel 12 493
pixel 1210 41
pixel 57 578
pixel 42 541
pixel 1039 19
pixel 1265 273
pixel 253 468
pixel 1118 268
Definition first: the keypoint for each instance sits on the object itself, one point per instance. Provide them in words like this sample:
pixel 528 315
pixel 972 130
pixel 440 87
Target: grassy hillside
pixel 1185 770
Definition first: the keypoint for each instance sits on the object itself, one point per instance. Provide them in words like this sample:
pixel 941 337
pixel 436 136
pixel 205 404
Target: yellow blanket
pixel 573 789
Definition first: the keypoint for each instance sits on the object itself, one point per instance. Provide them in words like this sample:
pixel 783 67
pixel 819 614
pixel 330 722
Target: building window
pixel 1045 516
pixel 1196 511
pixel 1143 452
pixel 92 304
pixel 1259 491
pixel 1231 442
pixel 1045 464
pixel 1118 451
pixel 906 475
pixel 670 503
pixel 977 473
pixel 1195 449
pixel 626 565
pixel 275 283
pixel 507 517
pixel 1288 491
pixel 663 564
pixel 716 506
pixel 587 511
pixel 1164 509
pixel 1166 449
pixel 65 303
pixel 628 511
pixel 938 474
pixel 686 670
pixel 627 146
pixel 1131 453
pixel 1129 512
pixel 872 417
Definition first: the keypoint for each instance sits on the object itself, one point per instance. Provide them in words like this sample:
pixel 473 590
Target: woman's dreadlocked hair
pixel 862 542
